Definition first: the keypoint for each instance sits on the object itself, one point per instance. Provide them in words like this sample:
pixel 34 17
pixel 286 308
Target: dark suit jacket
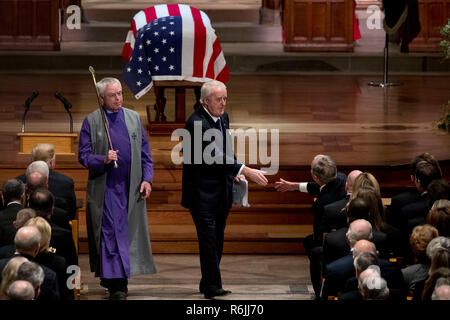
pixel 331 192
pixel 207 186
pixel 393 277
pixel 7 230
pixel 393 211
pixel 49 288
pixel 58 264
pixel 62 241
pixel 61 186
pixel 340 277
pixel 336 246
pixel 333 217
pixel 61 218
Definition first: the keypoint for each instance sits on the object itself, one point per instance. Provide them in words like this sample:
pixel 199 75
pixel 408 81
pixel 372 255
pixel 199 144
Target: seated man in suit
pixel 37 178
pixel 405 198
pixel 328 187
pixel 414 214
pixel 13 192
pixel 41 201
pixel 334 217
pixel 371 285
pixel 22 217
pixel 60 185
pixel 27 242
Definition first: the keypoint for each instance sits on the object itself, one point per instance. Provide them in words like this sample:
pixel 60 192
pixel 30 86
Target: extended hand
pixel 283 186
pixel 111 156
pixel 255 175
pixel 145 190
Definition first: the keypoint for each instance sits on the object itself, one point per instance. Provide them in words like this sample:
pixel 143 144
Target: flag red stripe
pixel 150 14
pixel 174 10
pixel 199 43
pixel 216 51
pixel 224 75
pixel 133 27
pixel 127 51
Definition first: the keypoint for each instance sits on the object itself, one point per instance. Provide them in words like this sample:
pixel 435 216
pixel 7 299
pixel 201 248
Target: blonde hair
pixel 363 180
pixel 43 152
pixel 9 275
pixel 45 229
pixel 421 237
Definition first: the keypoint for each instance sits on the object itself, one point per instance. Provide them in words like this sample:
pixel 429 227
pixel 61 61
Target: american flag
pixel 171 42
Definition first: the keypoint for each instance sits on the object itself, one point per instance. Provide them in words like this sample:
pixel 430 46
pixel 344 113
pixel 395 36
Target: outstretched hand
pixel 255 175
pixel 283 185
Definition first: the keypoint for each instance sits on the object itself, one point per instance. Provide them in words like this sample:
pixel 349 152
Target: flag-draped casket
pixel 171 42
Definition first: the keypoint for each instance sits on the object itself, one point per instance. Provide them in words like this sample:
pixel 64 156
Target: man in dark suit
pixel 60 185
pixel 37 178
pixel 27 243
pixel 393 211
pixel 13 192
pixel 41 200
pixel 333 217
pixel 328 187
pixel 208 179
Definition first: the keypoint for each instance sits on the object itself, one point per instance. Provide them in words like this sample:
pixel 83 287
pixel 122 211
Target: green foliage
pixel 444 122
pixel 445 43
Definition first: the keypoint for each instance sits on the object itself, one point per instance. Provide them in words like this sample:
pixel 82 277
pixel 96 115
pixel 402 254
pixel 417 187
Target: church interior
pixel 296 71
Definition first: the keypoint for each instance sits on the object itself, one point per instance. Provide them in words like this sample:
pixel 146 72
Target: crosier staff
pixel 100 104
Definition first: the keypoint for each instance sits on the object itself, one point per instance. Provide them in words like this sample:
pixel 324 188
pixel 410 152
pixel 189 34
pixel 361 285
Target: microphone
pixel 30 99
pixel 66 103
pixel 26 105
pixel 67 106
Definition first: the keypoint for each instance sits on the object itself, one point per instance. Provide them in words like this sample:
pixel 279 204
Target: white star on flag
pixel 156 68
pixel 139 71
pixel 138 83
pixel 129 69
pixel 156 50
pixel 172 50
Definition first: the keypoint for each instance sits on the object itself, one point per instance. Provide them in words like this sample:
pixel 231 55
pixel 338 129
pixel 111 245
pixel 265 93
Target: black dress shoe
pixel 216 293
pixel 118 295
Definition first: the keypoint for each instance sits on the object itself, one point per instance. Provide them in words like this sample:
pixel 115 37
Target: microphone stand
pixel 26 105
pixel 385 82
pixel 67 106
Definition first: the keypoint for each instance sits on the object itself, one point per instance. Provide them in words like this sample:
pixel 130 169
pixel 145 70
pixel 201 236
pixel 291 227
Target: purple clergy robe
pixel 114 242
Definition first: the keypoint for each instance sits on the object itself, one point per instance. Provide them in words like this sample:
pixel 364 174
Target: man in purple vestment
pixel 115 205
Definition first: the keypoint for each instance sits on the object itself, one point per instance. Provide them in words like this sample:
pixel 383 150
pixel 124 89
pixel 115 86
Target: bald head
pixel 21 290
pixel 351 179
pixel 27 240
pixel 364 246
pixel 441 293
pixel 359 229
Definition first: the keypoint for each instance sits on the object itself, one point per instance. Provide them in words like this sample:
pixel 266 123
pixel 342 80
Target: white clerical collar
pixel 214 118
pixel 109 111
pixel 18 202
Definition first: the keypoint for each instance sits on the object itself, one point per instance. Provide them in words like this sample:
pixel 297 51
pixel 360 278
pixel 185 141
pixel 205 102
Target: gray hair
pixel 207 87
pixel 372 286
pixel 38 166
pixel 324 168
pixel 102 84
pixel 26 244
pixel 441 289
pixel 32 272
pixel 441 204
pixel 356 235
pixel 21 290
pixel 436 244
pixel 364 260
pixel 23 216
